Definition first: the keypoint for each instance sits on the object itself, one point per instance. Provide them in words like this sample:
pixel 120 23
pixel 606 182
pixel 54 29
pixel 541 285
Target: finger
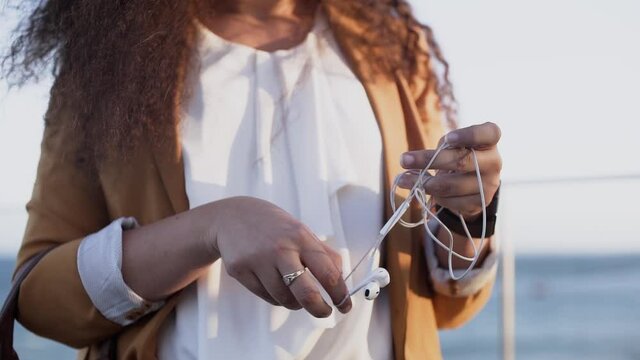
pixel 333 255
pixel 445 185
pixel 304 288
pixel 345 303
pixel 475 136
pixel 467 206
pixel 323 267
pixel 272 281
pixel 253 284
pixel 457 159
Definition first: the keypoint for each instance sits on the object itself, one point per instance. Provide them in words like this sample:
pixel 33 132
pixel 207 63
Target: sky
pixel 561 78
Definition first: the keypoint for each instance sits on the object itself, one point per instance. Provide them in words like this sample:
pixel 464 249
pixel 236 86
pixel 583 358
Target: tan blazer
pixel 67 204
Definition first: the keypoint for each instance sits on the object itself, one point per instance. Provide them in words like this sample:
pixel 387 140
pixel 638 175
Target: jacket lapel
pixel 401 129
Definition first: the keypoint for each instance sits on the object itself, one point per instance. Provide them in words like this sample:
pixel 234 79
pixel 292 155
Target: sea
pixel 567 307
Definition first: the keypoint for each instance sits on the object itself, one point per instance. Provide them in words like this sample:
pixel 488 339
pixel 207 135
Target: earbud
pixel 372 284
pixel 371 290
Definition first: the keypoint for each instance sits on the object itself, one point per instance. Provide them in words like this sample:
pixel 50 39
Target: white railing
pixel 507 267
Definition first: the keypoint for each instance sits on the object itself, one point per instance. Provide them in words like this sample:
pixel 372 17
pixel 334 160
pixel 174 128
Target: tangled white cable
pixel 417 192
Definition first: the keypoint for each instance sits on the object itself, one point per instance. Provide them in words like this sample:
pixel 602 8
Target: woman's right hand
pixel 260 242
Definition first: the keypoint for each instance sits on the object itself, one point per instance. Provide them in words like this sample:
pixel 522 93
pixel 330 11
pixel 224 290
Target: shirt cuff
pixel 475 279
pixel 100 268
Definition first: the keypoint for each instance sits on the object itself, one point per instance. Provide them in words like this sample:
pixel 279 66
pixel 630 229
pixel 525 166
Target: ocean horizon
pixel 567 307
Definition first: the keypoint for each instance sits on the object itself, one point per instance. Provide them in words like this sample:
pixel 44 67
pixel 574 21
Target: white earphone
pixel 380 278
pixel 372 284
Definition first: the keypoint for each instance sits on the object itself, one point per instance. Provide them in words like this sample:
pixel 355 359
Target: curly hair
pixel 120 64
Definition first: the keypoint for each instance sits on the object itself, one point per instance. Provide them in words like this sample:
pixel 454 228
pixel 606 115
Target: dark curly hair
pixel 120 64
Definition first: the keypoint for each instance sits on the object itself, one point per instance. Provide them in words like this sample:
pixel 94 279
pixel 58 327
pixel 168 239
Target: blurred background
pixel 562 79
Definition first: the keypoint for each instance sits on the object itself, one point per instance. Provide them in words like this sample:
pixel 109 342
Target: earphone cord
pixel 417 192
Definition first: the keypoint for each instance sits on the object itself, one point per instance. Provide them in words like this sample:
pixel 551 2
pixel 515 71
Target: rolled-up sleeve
pixel 67 204
pixel 476 279
pixel 100 269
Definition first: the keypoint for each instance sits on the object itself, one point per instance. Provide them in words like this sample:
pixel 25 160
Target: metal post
pixel 508 298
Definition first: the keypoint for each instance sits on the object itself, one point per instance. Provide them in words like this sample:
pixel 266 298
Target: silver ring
pixel 290 278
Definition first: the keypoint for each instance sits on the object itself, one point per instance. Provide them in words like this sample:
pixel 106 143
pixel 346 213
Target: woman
pixel 199 157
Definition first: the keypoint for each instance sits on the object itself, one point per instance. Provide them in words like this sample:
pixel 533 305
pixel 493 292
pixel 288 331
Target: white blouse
pixel 294 127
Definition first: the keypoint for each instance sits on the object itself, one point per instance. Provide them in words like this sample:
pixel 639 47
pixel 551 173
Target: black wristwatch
pixel 452 221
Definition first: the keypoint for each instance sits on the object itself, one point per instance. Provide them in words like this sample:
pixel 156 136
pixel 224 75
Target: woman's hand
pixel 259 243
pixel 455 185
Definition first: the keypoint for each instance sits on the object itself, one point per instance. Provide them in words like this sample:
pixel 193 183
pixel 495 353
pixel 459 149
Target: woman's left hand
pixel 455 186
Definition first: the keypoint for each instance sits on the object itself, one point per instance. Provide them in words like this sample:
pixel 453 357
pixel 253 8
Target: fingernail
pixel 452 138
pixel 407 160
pixel 346 307
pixel 403 183
pixel 327 313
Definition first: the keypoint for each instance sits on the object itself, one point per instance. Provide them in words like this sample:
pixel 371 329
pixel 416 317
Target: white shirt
pixel 293 127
